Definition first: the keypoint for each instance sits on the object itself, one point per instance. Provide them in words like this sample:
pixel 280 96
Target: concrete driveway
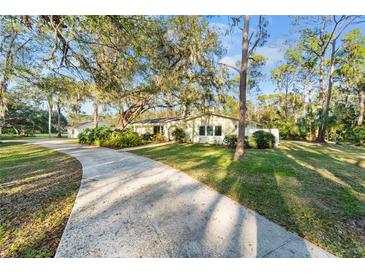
pixel 131 206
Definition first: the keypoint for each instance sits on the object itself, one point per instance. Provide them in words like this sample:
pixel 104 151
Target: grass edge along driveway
pixel 315 191
pixel 38 188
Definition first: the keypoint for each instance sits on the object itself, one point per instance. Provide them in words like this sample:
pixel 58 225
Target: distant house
pixel 204 128
pixel 74 131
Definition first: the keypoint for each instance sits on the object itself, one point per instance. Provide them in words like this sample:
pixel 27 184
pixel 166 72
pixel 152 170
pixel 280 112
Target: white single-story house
pixel 74 131
pixel 203 128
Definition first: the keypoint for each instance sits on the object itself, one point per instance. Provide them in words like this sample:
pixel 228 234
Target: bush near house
pixel 259 140
pixel 230 140
pixel 123 139
pixel 179 135
pixel 158 138
pixel 104 136
pixel 94 135
pixel 147 137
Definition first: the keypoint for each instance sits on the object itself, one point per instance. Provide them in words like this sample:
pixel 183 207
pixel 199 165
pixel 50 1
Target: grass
pixel 37 135
pixel 315 191
pixel 37 192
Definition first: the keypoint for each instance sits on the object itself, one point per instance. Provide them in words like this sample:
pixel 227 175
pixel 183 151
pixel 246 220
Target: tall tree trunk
pixel 321 73
pixel 96 114
pixel 243 88
pixel 59 134
pixel 323 125
pixel 286 103
pixel 16 131
pixel 360 119
pixel 4 79
pixel 49 105
pixel 310 112
pixel 347 95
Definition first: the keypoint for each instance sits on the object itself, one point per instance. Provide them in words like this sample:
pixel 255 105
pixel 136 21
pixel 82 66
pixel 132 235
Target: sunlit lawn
pixel 315 191
pixel 37 191
pixel 36 136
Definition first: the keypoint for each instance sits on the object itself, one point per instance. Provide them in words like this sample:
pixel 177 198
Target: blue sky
pixel 279 30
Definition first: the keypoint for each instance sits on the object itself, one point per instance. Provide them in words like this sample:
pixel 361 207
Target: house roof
pixel 88 123
pixel 172 119
pixel 212 113
pixel 157 120
pixel 219 115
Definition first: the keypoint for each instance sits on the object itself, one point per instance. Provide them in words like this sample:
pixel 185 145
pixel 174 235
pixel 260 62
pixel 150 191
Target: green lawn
pixel 37 192
pixel 315 191
pixel 37 135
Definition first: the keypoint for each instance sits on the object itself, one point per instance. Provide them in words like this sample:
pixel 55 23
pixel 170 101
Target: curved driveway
pixel 131 206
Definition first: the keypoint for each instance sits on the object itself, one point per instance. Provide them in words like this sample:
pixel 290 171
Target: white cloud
pixel 231 60
pixel 274 54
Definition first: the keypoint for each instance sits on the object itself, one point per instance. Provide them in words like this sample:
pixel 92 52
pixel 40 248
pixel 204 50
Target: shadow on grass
pixel 34 181
pixel 302 188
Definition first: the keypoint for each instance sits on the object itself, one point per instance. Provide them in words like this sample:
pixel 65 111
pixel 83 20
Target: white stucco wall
pixel 191 128
pixel 229 126
pixel 72 133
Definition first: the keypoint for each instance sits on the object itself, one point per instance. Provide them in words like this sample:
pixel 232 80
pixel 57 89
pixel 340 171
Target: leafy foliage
pixel 123 139
pixel 147 137
pixel 230 140
pixel 292 131
pixel 158 138
pixel 104 136
pixel 179 135
pixel 359 135
pixel 261 140
pixel 94 135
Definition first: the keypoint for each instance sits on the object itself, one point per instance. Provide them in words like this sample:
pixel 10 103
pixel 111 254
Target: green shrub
pixel 94 135
pixel 86 136
pixel 261 139
pixel 179 135
pixel 158 138
pixel 290 131
pixel 147 137
pixel 123 140
pixel 359 135
pixel 230 140
pixel 251 142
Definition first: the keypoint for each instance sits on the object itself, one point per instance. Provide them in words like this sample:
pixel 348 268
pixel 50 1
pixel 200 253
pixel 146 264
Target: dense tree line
pixel 320 82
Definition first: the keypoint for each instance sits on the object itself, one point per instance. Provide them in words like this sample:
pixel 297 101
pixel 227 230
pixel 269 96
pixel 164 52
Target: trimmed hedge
pixel 260 139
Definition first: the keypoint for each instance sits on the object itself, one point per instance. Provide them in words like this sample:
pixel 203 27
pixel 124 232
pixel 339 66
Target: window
pixel 218 131
pixel 209 130
pixel 202 130
pixel 157 129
